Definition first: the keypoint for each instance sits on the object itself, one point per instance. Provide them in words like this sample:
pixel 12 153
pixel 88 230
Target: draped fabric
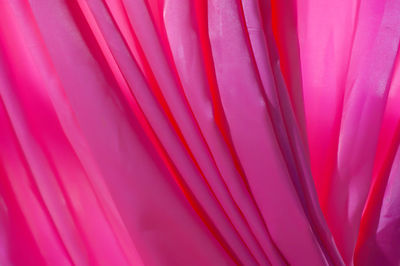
pixel 199 132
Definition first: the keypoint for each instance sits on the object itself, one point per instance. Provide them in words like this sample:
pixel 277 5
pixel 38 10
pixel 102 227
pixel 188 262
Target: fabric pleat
pixel 202 132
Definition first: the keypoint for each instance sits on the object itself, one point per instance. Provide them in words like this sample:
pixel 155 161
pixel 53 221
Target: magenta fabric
pixel 199 132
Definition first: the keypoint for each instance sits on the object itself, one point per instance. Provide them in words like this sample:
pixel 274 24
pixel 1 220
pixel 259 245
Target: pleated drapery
pixel 199 132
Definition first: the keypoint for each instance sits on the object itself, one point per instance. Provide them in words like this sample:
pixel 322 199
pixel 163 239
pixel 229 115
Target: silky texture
pixel 218 132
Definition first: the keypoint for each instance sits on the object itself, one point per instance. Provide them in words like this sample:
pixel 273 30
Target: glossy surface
pixel 219 132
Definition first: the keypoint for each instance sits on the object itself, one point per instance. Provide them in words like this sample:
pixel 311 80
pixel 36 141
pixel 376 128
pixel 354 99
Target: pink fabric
pixel 219 132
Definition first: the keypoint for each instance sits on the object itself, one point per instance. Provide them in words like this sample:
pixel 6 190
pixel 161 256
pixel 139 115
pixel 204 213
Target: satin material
pixel 219 132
